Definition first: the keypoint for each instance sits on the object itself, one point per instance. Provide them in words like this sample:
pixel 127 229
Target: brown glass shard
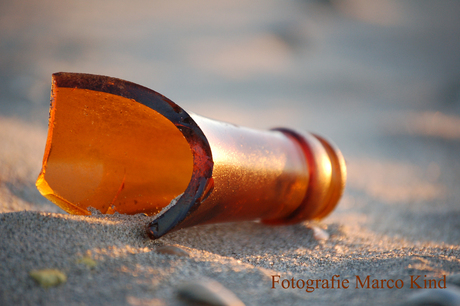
pixel 113 154
pixel 119 147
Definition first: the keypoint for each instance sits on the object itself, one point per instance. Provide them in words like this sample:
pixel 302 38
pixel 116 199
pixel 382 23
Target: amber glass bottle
pixel 116 146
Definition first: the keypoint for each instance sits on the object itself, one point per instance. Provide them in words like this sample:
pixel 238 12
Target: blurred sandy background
pixel 380 78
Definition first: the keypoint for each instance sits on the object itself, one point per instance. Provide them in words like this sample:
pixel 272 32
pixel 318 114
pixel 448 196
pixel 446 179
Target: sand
pixel 384 86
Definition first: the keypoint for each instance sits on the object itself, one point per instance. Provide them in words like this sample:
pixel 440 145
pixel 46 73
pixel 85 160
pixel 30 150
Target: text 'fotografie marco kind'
pixel 360 282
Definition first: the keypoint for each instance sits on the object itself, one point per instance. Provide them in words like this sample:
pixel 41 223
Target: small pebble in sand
pixel 435 297
pixel 88 261
pixel 134 301
pixel 209 292
pixel 48 277
pixel 172 250
pixel 454 279
pixel 319 234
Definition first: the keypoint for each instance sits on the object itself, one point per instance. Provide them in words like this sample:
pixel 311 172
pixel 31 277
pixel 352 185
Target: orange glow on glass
pixel 116 146
pixel 113 154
